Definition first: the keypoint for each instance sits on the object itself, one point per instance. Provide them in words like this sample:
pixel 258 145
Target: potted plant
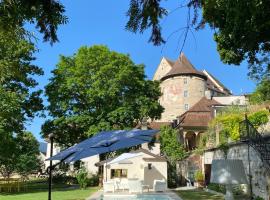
pixel 199 178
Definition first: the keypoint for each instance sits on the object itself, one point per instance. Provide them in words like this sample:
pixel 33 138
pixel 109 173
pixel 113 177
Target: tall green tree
pixel 28 160
pixel 98 89
pixel 170 145
pixel 19 100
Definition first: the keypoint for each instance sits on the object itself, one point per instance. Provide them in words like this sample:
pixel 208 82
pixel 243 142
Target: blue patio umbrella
pixel 103 142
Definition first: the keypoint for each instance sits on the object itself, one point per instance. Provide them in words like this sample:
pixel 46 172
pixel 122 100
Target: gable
pixel 163 68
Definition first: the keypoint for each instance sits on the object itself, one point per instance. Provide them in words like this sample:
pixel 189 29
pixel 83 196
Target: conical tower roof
pixel 182 67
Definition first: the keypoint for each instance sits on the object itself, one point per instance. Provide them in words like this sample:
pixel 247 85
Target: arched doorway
pixel 190 140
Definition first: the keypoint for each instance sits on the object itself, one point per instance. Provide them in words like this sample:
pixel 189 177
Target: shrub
pixel 63 178
pixel 93 181
pixel 199 176
pixel 82 178
pixel 258 198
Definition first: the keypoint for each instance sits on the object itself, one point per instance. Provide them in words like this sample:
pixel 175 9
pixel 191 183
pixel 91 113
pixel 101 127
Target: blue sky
pixel 103 22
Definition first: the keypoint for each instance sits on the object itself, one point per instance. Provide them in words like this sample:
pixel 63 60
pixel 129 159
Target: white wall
pixel 139 169
pixel 89 164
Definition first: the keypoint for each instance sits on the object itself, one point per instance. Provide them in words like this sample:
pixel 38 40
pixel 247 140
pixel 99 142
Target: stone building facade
pixel 182 86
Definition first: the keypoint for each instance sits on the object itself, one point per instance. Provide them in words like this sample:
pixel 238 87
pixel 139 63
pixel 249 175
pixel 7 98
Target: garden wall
pixel 260 177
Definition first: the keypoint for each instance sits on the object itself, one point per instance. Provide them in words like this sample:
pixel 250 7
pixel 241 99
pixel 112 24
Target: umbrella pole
pixel 106 168
pixel 50 172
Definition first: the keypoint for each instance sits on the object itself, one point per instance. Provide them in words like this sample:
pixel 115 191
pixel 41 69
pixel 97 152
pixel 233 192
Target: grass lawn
pixel 63 194
pixel 198 194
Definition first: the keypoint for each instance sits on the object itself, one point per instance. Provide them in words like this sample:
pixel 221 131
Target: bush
pixel 63 178
pixel 93 181
pixel 199 176
pixel 82 178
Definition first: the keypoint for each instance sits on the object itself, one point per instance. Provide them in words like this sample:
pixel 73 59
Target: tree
pixel 18 153
pixel 8 154
pixel 262 92
pixel 173 150
pixel 170 145
pixel 98 89
pixel 28 160
pixel 19 100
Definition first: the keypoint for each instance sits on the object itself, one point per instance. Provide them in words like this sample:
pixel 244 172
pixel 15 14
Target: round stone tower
pixel 181 88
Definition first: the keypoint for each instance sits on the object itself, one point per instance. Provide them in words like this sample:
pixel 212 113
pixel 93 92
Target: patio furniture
pixel 109 186
pixel 123 185
pixel 135 186
pixel 146 187
pixel 159 185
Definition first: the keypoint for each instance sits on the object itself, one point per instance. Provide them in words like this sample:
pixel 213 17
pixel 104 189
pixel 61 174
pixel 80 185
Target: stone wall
pixel 260 177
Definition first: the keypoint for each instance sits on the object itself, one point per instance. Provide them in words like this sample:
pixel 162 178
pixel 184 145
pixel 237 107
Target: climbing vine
pixel 228 122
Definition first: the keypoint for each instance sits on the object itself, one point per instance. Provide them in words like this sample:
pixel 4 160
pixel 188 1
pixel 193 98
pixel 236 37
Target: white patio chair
pixel 124 184
pixel 159 185
pixel 108 186
pixel 135 186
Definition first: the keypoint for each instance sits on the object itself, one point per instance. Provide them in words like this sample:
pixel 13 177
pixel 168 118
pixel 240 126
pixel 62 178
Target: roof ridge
pixel 183 66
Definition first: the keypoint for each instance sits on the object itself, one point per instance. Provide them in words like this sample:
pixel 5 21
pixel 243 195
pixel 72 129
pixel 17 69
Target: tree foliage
pixel 46 14
pixel 241 28
pixel 262 92
pixel 98 89
pixel 19 101
pixel 18 153
pixel 169 144
pixel 228 122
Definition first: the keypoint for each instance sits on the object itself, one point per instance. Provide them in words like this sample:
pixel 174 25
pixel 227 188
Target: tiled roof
pixel 199 115
pixel 171 63
pixel 182 66
pixel 212 86
pixel 204 105
pixel 155 125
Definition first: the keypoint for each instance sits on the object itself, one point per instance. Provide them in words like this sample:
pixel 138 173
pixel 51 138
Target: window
pixel 119 173
pixel 186 106
pixel 185 80
pixel 185 93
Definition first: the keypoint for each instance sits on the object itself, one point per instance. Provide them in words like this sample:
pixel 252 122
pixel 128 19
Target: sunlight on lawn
pixel 198 194
pixel 56 195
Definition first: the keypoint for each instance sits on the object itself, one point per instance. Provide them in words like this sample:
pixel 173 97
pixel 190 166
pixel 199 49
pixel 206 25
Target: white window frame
pixel 185 81
pixel 186 106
